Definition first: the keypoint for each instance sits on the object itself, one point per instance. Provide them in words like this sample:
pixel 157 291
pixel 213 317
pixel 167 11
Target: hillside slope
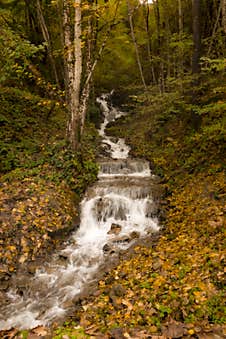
pixel 174 288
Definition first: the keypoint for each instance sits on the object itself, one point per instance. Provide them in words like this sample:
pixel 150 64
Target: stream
pixel 115 212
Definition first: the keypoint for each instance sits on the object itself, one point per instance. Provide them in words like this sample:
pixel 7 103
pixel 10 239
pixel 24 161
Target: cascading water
pixel 116 211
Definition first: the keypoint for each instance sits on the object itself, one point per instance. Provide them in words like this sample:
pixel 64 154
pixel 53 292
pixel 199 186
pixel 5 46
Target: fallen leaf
pixel 173 330
pixel 40 331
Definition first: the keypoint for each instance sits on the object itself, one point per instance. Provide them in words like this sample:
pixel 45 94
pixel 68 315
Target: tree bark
pixel 196 37
pixel 223 6
pixel 77 96
pixel 196 69
pixel 77 74
pixel 215 27
pixel 149 44
pixel 46 37
pixel 181 65
pixel 73 68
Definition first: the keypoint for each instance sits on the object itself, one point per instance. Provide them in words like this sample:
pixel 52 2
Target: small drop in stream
pixel 116 211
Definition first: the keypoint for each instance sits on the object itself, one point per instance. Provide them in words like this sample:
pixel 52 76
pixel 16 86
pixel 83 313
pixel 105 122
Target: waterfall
pixel 115 211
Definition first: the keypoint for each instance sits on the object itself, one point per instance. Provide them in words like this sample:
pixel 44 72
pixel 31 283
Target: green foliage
pixel 32 144
pixel 216 309
pixel 212 65
pixel 16 53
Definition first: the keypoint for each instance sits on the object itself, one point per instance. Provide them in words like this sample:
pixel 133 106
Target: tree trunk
pixel 181 70
pixel 77 74
pixel 73 68
pixel 149 44
pixel 135 43
pixel 196 37
pixel 215 28
pixel 46 37
pixel 158 49
pixel 196 69
pixel 223 6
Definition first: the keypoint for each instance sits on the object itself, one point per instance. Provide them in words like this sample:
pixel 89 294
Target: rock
pixel 4 285
pixel 122 239
pixel 114 139
pixel 4 273
pixel 32 268
pixel 108 249
pixel 115 229
pixel 134 235
pixel 99 207
pixel 63 256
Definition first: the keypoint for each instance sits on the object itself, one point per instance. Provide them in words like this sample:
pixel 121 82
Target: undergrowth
pixel 42 180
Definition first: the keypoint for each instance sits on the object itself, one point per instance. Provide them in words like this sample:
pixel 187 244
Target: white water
pixel 122 196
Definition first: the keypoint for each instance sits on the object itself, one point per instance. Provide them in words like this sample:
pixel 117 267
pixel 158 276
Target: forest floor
pixel 173 288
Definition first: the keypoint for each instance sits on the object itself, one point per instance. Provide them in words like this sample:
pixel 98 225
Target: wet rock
pixel 122 239
pixel 99 208
pixel 114 139
pixel 115 229
pixel 4 275
pixel 108 249
pixel 68 304
pixel 4 285
pixel 32 267
pixel 134 235
pixel 63 257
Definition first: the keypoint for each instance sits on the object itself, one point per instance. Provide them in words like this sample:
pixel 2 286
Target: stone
pixel 108 249
pixel 134 235
pixel 122 239
pixel 115 229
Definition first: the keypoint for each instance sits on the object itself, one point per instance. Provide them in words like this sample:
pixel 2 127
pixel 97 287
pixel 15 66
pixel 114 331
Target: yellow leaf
pixel 12 248
pixel 191 331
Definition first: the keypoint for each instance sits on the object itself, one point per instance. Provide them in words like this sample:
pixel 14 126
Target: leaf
pixel 40 331
pixel 173 330
pixel 128 304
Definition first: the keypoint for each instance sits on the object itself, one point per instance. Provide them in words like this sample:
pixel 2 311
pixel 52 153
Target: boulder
pixel 115 229
pixel 122 239
pixel 108 249
pixel 134 235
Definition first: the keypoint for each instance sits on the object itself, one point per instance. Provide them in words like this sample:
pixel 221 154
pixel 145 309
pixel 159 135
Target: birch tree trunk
pixel 77 96
pixel 77 74
pixel 73 68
